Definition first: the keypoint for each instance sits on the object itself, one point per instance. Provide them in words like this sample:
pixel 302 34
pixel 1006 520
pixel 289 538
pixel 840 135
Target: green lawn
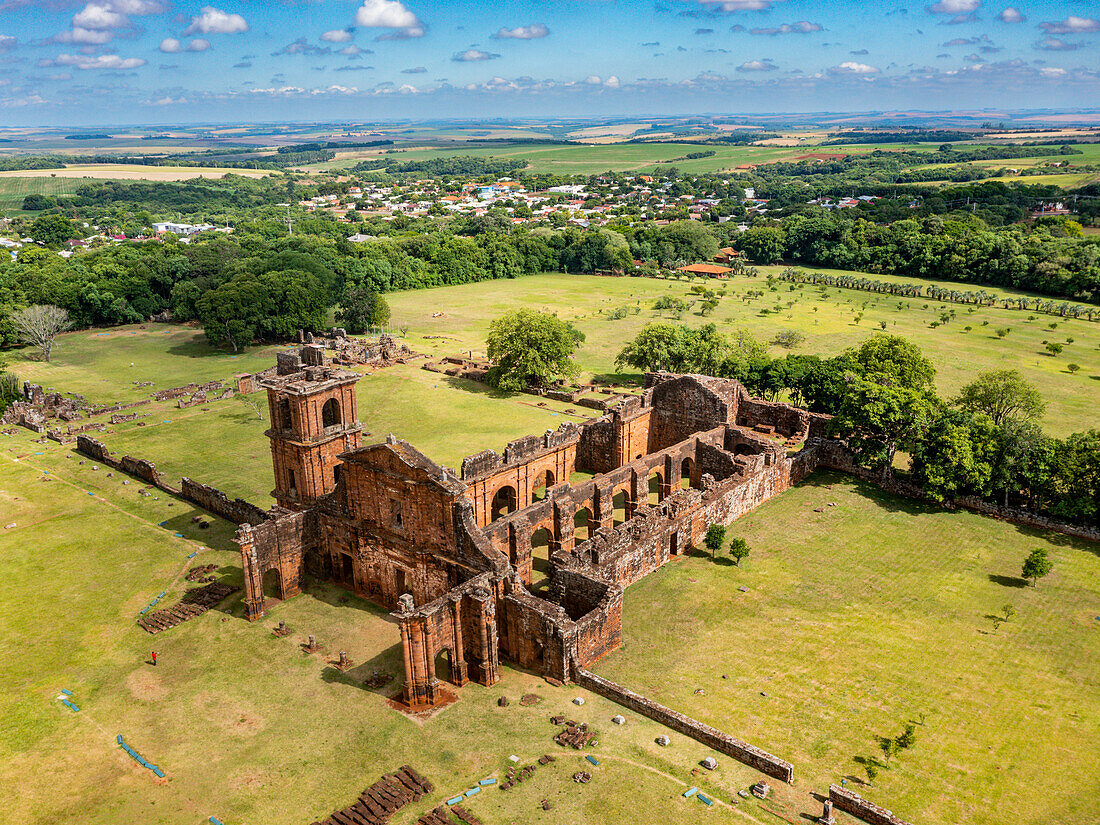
pixel 14 189
pixel 874 612
pixel 856 618
pixel 245 725
pixel 827 322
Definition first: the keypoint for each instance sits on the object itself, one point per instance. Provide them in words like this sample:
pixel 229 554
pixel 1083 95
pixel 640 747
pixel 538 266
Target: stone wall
pixel 854 804
pixel 215 501
pixel 208 498
pixel 711 737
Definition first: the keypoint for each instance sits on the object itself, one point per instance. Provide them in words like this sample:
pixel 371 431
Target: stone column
pixel 253 578
pixel 604 506
pixel 458 652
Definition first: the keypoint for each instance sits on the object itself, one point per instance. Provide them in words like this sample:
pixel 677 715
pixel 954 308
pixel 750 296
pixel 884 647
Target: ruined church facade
pixel 521 556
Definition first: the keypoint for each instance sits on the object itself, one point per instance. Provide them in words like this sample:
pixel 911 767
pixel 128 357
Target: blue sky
pixel 133 61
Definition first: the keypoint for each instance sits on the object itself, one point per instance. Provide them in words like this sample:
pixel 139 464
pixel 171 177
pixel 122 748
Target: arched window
pixel 687 468
pixel 330 413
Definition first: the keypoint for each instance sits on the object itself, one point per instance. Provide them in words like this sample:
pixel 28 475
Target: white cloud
pixel 530 32
pixel 215 21
pixel 765 65
pixel 801 27
pixel 336 36
pixel 612 82
pixel 101 61
pixel 1071 25
pixel 851 67
pixel 473 56
pixel 739 5
pixel 1011 15
pixel 198 45
pixel 955 7
pixel 7 42
pixel 170 45
pixel 389 14
pixel 138 7
pixel 99 16
pixel 94 37
pixel 1054 44
pixel 593 80
pixel 354 51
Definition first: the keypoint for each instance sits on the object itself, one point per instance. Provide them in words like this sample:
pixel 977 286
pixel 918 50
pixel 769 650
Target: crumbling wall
pixel 595 448
pixel 215 501
pixel 711 737
pixel 854 804
pixel 209 498
pixel 532 634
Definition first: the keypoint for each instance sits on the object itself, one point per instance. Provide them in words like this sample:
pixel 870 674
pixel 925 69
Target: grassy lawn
pixel 245 725
pixel 828 322
pixel 874 612
pixel 847 644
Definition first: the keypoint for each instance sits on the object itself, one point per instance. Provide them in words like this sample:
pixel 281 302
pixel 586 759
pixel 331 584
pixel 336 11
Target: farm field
pixel 586 159
pixel 873 612
pixel 132 171
pixel 14 188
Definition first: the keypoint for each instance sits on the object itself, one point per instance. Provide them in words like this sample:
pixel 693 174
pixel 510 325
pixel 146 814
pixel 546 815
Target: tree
pixel 529 349
pixel 889 748
pixel 956 455
pixel 35 202
pixel 40 325
pixel 362 308
pixel 1054 348
pixel 52 230
pixel 892 360
pixel 715 538
pixel 1003 395
pixel 763 244
pixel 739 549
pixel 877 419
pixel 1036 565
pixel 255 404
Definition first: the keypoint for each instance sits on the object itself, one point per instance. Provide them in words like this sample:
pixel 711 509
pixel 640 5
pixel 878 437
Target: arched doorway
pixel 330 413
pixel 545 482
pixel 504 502
pixel 582 525
pixel 618 503
pixel 655 487
pixel 540 556
pixel 272 584
pixel 687 469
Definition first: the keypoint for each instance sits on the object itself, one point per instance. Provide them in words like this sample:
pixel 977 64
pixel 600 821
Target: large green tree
pixel 361 309
pixel 1003 395
pixel 956 455
pixel 530 349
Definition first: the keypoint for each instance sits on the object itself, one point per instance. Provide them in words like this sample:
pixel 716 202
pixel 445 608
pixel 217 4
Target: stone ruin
pixel 453 554
pixel 381 351
pixel 38 407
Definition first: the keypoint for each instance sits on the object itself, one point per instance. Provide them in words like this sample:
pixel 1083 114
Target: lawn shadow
pixel 198 347
pixel 333 594
pixel 1007 581
pixel 476 387
pixel 376 675
pixel 887 501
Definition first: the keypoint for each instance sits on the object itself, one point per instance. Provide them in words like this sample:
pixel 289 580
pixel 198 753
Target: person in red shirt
pixel 154 658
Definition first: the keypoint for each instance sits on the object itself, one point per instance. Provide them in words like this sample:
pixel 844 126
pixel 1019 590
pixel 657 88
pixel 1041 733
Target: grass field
pixel 874 612
pixel 14 188
pixel 589 158
pixel 245 725
pixel 856 618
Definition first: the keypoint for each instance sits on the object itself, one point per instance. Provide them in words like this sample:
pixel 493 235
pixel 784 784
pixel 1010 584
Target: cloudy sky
pixel 134 61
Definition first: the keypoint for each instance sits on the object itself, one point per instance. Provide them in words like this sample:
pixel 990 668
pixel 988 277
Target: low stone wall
pixel 854 804
pixel 711 737
pixel 208 498
pixel 214 500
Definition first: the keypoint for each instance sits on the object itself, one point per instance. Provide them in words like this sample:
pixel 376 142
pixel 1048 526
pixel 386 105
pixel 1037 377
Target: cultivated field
pixel 856 619
pixel 131 171
pixel 14 188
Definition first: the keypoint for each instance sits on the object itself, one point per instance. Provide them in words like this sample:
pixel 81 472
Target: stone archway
pixel 503 503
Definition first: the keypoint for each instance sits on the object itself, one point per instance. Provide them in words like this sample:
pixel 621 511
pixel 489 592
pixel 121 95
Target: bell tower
pixel 313 421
